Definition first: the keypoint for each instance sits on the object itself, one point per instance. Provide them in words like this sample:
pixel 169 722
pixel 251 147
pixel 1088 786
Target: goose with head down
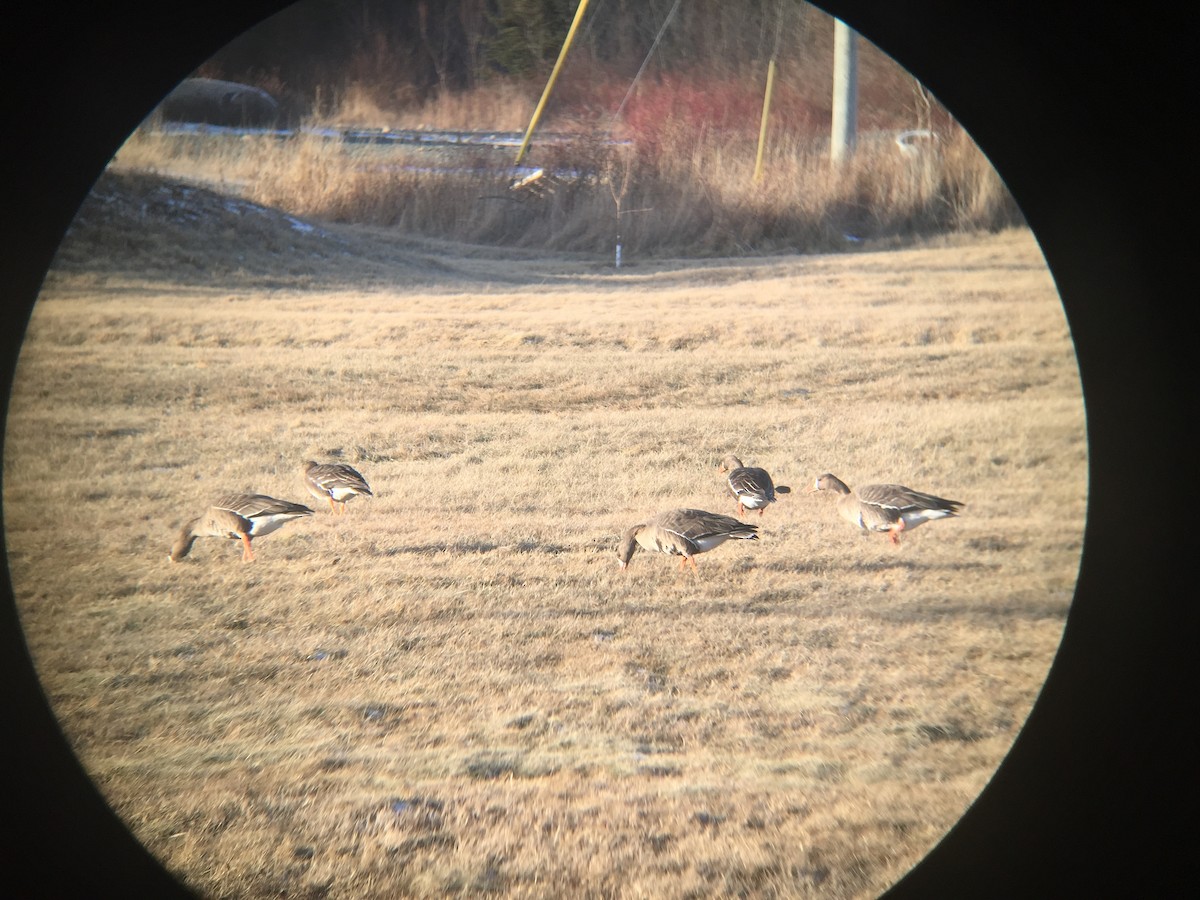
pixel 751 486
pixel 336 482
pixel 240 517
pixel 683 533
pixel 886 508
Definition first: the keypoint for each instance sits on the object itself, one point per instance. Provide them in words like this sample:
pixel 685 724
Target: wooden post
pixel 762 128
pixel 562 55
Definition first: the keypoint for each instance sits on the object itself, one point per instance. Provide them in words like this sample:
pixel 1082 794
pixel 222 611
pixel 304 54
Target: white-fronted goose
pixel 241 517
pixel 335 482
pixel 751 487
pixel 684 533
pixel 886 508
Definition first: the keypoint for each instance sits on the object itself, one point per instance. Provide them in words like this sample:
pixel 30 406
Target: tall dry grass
pixel 680 190
pixel 453 688
pixel 503 105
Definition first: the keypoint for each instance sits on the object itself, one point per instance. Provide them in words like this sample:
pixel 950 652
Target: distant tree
pixel 405 51
pixel 527 34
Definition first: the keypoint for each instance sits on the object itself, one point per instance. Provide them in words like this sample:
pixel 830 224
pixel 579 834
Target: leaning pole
pixel 762 126
pixel 562 55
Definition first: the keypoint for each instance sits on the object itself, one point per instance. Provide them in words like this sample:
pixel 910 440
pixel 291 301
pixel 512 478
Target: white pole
pixel 845 91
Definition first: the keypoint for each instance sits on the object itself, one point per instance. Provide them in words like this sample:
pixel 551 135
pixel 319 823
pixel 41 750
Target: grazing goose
pixel 335 482
pixel 240 517
pixel 751 487
pixel 683 532
pixel 890 508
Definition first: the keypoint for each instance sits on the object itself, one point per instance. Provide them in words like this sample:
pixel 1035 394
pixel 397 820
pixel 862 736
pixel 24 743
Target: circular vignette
pixel 1083 800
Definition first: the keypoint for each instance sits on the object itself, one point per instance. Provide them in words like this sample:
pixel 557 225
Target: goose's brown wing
pixel 332 476
pixel 896 499
pixel 699 527
pixel 252 506
pixel 752 483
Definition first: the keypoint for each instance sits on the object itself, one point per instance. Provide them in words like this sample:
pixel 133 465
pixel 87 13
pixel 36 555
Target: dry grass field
pixel 454 689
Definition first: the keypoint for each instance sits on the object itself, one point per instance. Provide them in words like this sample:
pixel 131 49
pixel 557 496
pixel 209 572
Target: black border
pixel 1085 112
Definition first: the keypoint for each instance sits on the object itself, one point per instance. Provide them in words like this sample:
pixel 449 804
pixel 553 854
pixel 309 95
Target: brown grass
pixel 682 191
pixel 454 689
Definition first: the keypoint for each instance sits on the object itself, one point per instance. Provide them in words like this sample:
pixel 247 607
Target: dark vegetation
pixel 411 53
pixel 680 88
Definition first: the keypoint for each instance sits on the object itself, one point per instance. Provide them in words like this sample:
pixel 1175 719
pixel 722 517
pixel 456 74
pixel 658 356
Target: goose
pixel 751 487
pixel 335 482
pixel 683 533
pixel 239 517
pixel 887 508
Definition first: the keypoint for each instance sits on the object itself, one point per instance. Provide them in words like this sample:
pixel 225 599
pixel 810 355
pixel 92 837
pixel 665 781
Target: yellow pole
pixel 762 128
pixel 562 55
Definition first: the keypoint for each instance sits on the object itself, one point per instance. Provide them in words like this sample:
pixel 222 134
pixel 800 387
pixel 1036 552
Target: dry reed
pixel 683 194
